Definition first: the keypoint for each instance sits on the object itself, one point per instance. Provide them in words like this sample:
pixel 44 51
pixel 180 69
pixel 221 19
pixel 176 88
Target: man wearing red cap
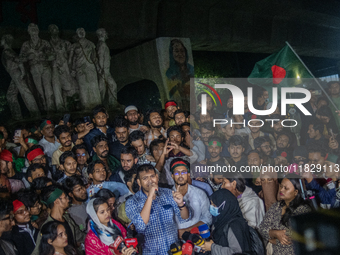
pixel 49 141
pixel 23 234
pixel 7 164
pixel 170 108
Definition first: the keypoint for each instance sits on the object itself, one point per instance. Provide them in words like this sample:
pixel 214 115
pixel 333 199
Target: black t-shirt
pixel 2 252
pixel 69 232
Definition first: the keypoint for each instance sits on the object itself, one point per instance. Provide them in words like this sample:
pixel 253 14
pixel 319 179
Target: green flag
pixel 281 69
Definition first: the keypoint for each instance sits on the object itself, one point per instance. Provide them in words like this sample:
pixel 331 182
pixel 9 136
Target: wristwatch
pixel 180 207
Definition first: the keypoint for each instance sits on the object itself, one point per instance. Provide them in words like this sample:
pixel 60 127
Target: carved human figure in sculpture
pixel 84 65
pixel 64 85
pixel 16 70
pixel 38 53
pixel 107 85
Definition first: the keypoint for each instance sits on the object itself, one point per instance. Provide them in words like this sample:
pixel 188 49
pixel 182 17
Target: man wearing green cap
pixel 58 202
pixel 49 141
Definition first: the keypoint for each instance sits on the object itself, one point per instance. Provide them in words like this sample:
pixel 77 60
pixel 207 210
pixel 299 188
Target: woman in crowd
pixel 110 198
pixel 103 230
pixel 54 240
pixel 275 226
pixel 230 233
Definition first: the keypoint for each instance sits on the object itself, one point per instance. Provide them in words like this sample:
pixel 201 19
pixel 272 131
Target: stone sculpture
pixel 38 53
pixel 16 70
pixel 84 65
pixel 107 85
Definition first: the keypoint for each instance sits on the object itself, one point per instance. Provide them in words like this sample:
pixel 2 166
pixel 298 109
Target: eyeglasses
pixel 81 155
pixel 21 212
pixel 38 160
pixel 10 217
pixel 182 173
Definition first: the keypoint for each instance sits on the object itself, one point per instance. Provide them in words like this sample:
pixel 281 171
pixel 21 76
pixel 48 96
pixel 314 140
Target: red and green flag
pixel 281 69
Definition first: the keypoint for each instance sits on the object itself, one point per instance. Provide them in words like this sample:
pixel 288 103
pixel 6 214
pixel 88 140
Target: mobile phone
pixel 66 118
pixel 332 134
pixel 17 132
pixel 87 119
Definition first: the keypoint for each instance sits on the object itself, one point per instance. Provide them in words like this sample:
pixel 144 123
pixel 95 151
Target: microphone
pixel 195 230
pixel 118 245
pixel 187 249
pixel 204 231
pixel 157 192
pixel 131 242
pixel 175 249
pixel 196 239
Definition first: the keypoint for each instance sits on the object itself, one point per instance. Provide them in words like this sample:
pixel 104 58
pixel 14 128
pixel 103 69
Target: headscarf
pixel 106 234
pixel 229 211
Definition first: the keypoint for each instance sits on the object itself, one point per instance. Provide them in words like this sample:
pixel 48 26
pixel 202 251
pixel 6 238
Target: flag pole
pixel 317 82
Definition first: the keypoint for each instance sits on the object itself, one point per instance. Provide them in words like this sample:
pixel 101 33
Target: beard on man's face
pixel 133 123
pixel 104 154
pixel 79 199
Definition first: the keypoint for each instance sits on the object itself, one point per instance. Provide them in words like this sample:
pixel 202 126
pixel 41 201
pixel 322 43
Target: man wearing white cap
pixel 132 116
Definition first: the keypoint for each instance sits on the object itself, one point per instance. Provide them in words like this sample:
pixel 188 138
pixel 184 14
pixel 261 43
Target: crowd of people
pixel 92 186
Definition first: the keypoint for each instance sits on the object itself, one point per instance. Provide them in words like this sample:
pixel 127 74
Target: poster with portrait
pixel 177 67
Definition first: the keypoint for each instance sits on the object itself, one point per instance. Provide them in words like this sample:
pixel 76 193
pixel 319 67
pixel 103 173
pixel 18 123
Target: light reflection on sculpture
pixel 15 68
pixel 60 71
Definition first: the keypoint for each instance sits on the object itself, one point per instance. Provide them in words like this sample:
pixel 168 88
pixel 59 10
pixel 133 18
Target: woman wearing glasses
pixel 54 240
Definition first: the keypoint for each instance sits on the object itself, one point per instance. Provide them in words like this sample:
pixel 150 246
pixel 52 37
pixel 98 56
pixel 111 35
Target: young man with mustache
pixel 63 135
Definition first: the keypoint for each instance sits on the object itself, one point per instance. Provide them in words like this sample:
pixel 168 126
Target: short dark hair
pixel 27 197
pixel 290 139
pixel 78 122
pixel 316 146
pixel 147 117
pixel 40 183
pixel 329 84
pixel 97 139
pixel 5 207
pixel 145 168
pixel 106 194
pixel 155 143
pixel 136 135
pixel 97 109
pixel 322 98
pixel 174 128
pixel 240 181
pixel 255 151
pixel 97 202
pixel 90 167
pixel 185 124
pixel 61 129
pixel 33 168
pixel 71 182
pixel 65 155
pixel 237 140
pixel 215 138
pixel 129 150
pixel 78 147
pixel 258 141
pixel 35 146
pixel 317 125
pixel 325 111
pixel 208 126
pixel 178 111
pixel 121 123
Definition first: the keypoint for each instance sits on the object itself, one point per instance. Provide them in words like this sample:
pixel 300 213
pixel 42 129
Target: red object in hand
pixel 195 231
pixel 187 249
pixel 131 242
pixel 116 245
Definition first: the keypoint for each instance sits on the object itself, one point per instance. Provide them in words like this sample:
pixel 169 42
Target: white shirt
pixel 252 207
pixel 197 200
pixel 49 148
pixel 139 126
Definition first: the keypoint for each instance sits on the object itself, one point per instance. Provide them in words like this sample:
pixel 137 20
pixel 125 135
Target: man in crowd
pixel 192 196
pixel 58 202
pixel 170 108
pixel 82 156
pixel 180 117
pixel 155 122
pixel 10 167
pixel 81 130
pixel 63 135
pixel 77 192
pixel 207 130
pixel 122 133
pixel 100 117
pixel 236 149
pixel 49 141
pixel 334 90
pixel 139 209
pixel 195 145
pixel 33 172
pixel 136 139
pixel 132 116
pixel 255 132
pixel 101 152
pixel 6 224
pixel 68 164
pixel 97 172
pixel 315 130
pixel 128 160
